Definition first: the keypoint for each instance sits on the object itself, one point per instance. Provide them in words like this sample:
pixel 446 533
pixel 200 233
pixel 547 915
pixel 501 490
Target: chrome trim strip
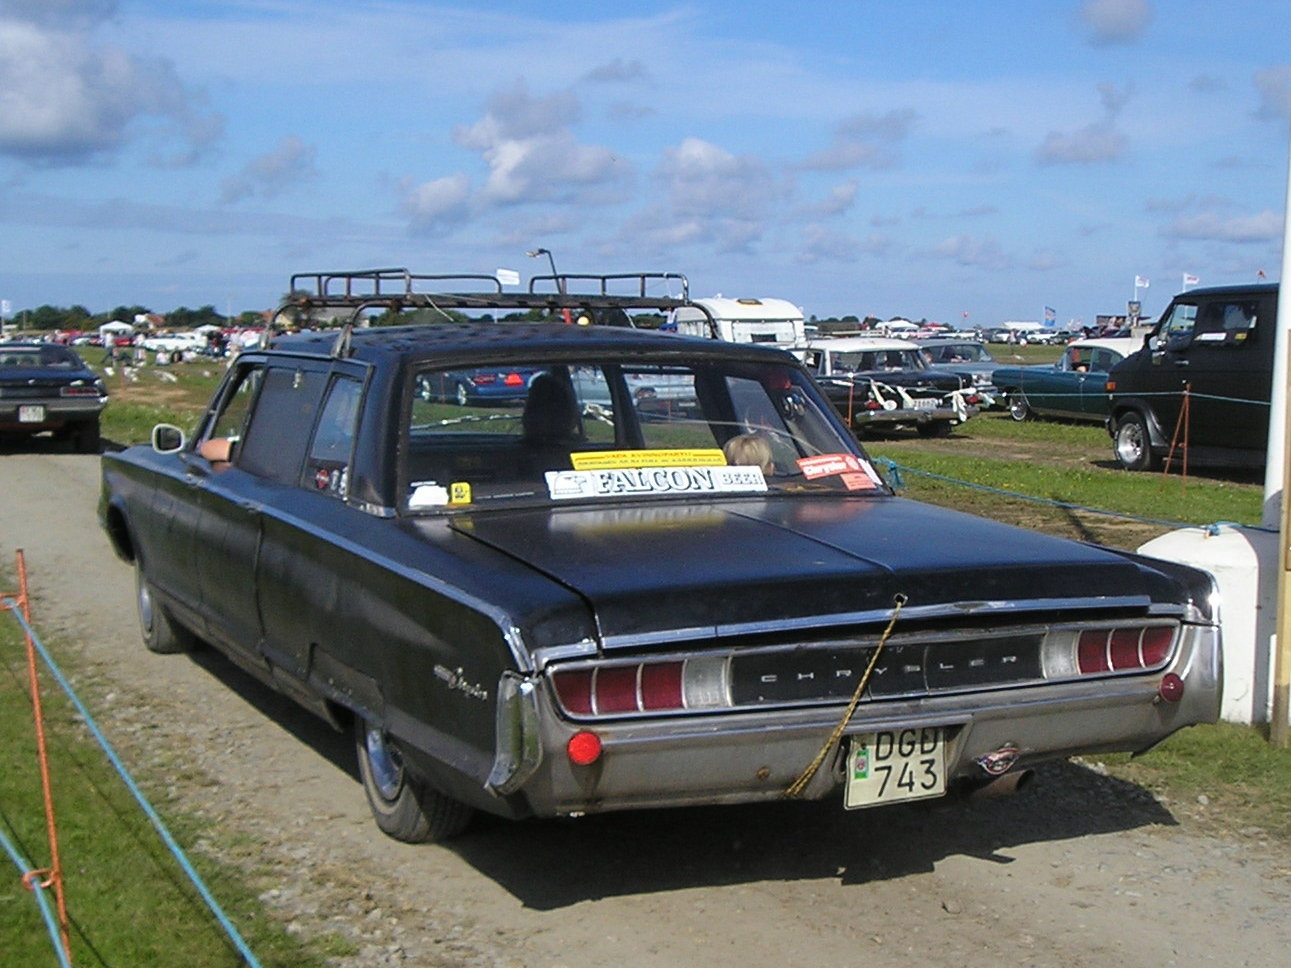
pixel 962 610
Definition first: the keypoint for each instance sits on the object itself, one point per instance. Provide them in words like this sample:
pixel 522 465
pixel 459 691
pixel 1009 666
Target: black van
pixel 1212 348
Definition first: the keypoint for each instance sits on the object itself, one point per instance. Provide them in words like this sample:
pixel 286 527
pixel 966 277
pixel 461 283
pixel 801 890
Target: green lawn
pixel 128 899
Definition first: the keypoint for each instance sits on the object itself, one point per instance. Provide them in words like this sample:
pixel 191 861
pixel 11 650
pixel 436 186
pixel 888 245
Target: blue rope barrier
pixel 153 817
pixel 1024 390
pixel 46 912
pixel 897 484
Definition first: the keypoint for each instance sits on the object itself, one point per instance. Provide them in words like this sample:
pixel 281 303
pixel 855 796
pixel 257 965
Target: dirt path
pixel 1079 871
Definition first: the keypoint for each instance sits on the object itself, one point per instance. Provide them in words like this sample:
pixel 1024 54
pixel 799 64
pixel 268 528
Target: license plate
pixel 894 765
pixel 924 403
pixel 32 413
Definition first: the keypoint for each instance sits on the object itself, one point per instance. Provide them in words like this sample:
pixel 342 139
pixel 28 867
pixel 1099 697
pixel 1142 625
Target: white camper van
pixel 775 321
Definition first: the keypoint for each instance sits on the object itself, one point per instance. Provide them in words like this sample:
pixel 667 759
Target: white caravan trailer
pixel 775 321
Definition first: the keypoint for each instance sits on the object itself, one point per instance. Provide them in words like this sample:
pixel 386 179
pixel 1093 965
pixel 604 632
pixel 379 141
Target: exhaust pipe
pixel 1001 786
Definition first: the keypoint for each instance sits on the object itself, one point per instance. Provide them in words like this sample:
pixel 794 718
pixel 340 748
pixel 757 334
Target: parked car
pixel 556 606
pixel 479 386
pixel 969 359
pixel 1074 388
pixel 882 383
pixel 1217 345
pixel 47 387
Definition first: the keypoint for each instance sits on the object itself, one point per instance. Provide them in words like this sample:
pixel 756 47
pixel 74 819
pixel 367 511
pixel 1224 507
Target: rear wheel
pixel 1018 408
pixel 160 632
pixel 461 395
pixel 1132 444
pixel 404 806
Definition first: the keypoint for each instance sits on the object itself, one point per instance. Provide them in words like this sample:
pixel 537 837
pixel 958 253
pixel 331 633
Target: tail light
pixel 645 687
pixel 1069 653
pixel 79 391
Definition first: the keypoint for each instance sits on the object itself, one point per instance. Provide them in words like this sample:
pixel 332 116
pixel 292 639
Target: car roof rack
pixel 398 289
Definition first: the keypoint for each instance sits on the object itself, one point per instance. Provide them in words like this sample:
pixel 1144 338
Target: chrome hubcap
pixel 385 763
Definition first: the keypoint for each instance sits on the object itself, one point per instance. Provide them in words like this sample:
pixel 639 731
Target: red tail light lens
pixel 616 690
pixel 513 380
pixel 1156 645
pixel 574 689
pixel 1090 652
pixel 661 686
pixel 644 687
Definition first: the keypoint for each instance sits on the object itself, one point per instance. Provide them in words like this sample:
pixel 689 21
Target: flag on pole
pixel 1189 280
pixel 1141 282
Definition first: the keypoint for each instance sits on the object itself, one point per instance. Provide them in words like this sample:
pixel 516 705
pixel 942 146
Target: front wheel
pixel 403 806
pixel 1018 408
pixel 1132 444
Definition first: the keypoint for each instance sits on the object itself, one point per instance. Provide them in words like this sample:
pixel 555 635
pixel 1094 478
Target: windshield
pixel 959 353
pixel 606 429
pixel 877 361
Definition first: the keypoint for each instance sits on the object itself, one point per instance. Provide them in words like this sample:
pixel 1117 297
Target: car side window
pixel 230 423
pixel 1100 361
pixel 327 469
pixel 1177 328
pixel 277 433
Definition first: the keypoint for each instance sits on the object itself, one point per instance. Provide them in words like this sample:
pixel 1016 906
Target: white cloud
pixel 1091 144
pixel 272 173
pixel 438 205
pixel 865 140
pixel 1274 87
pixel 707 181
pixel 617 71
pixel 531 153
pixel 1264 226
pixel 1116 21
pixel 822 244
pixel 65 99
pixel 966 250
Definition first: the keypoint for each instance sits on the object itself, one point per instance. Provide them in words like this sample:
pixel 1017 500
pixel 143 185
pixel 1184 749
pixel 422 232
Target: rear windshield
pixel 56 357
pixel 621 429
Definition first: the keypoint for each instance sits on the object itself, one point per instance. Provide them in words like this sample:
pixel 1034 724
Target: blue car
pixel 477 387
pixel 1074 388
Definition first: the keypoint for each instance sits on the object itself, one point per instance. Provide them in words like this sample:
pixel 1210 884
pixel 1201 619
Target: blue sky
pixel 922 159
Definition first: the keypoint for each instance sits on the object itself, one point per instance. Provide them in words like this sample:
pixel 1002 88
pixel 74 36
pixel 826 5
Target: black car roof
pixel 450 341
pixel 1247 289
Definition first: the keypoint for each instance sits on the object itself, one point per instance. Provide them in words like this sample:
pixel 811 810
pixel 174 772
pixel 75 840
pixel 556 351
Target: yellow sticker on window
pixel 459 492
pixel 605 460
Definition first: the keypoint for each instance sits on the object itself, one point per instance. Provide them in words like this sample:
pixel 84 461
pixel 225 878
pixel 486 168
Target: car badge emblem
pixel 1001 761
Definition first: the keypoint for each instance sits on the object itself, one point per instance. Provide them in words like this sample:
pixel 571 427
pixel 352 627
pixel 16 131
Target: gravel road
pixel 1079 871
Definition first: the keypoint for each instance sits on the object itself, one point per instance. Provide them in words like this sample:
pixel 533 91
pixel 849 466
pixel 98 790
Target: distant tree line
pixel 48 318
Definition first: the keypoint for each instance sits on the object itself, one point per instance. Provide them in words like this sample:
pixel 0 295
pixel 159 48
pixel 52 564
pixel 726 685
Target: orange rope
pixel 56 871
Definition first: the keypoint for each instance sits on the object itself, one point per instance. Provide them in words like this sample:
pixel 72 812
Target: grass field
pixel 129 900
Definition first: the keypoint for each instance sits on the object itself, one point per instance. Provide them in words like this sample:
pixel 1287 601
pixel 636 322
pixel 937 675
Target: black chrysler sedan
pixel 592 597
pixel 47 387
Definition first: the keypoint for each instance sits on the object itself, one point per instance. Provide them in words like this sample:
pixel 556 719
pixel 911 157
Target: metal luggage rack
pixel 398 289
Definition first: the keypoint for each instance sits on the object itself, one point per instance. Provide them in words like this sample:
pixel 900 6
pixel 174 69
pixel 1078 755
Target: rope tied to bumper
pixel 796 788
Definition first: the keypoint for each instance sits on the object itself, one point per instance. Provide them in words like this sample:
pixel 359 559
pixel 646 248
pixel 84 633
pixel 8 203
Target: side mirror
pixel 167 439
